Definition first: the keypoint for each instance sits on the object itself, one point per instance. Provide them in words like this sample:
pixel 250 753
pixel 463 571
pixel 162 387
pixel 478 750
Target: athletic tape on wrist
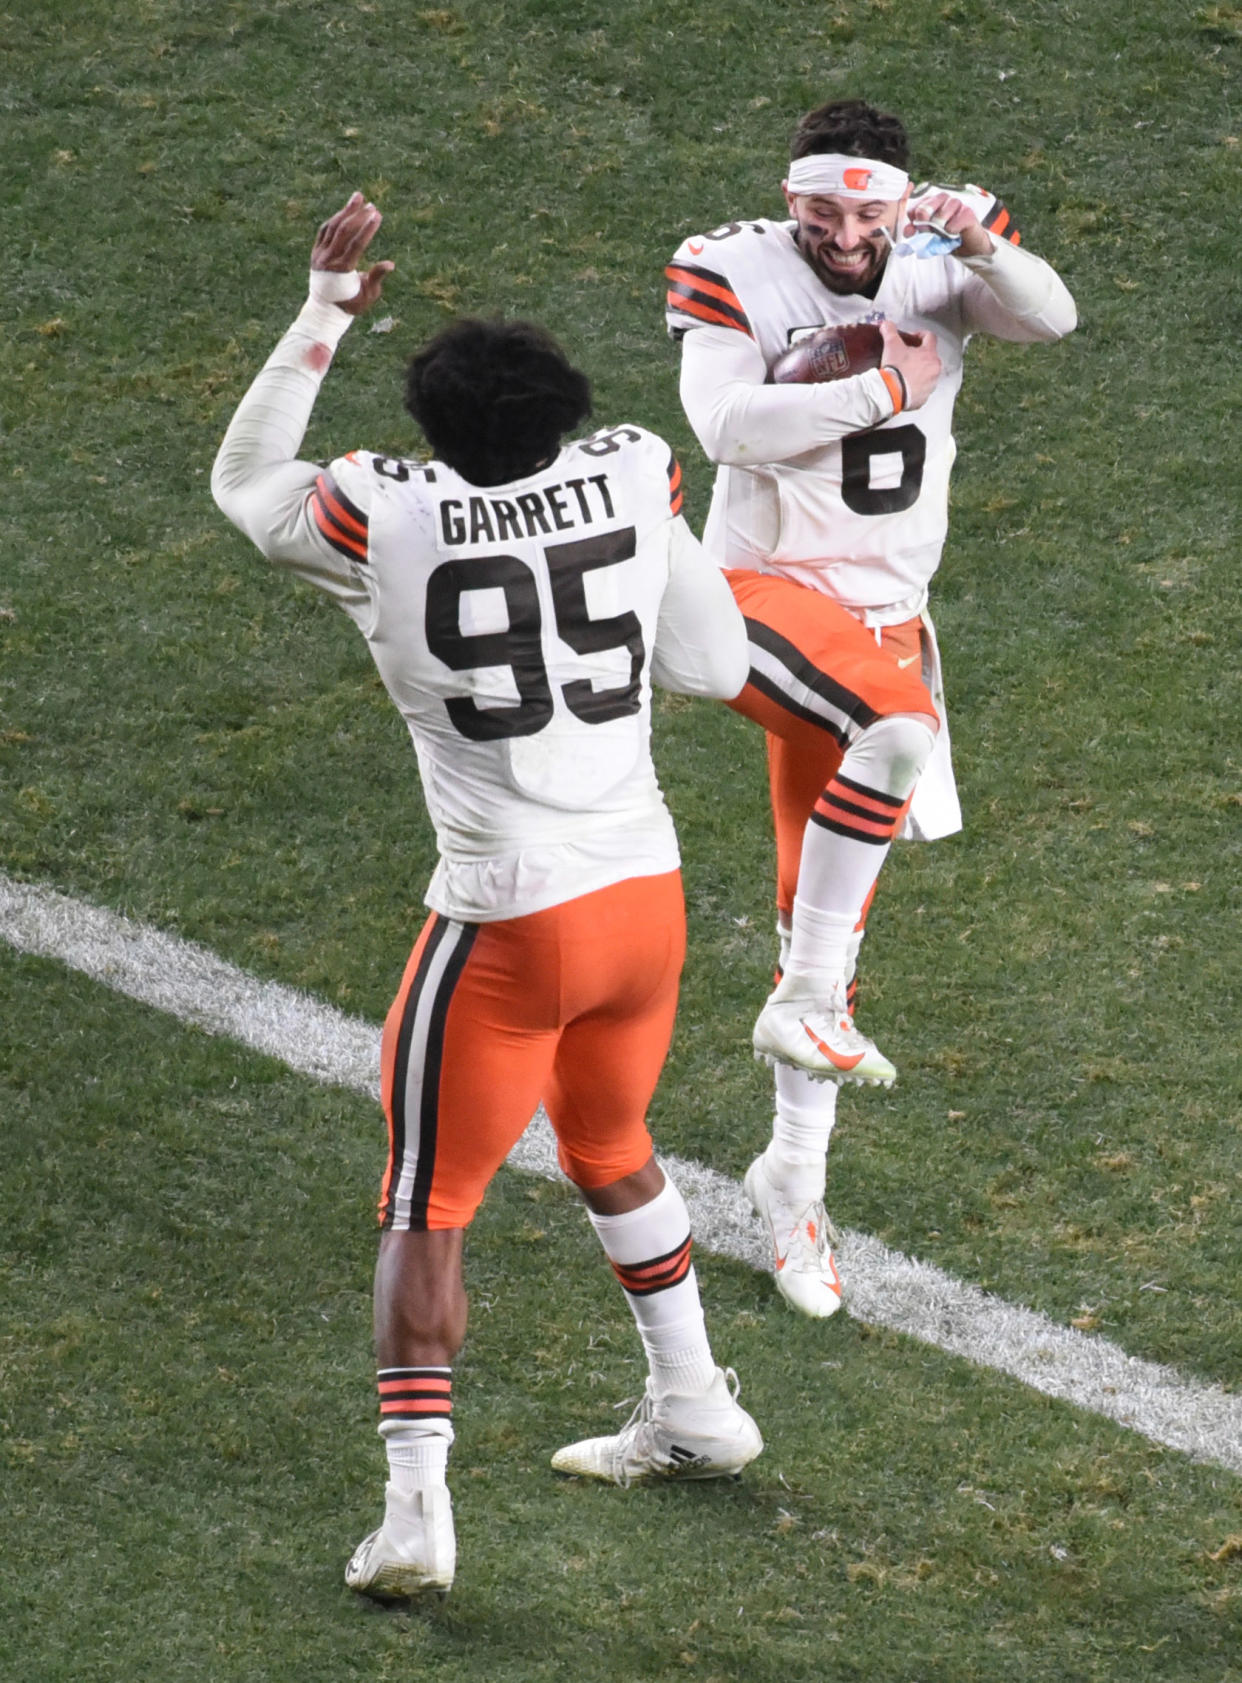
pixel 335 286
pixel 324 322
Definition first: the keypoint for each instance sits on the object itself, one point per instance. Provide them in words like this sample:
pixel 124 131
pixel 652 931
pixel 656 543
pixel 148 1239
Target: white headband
pixel 847 178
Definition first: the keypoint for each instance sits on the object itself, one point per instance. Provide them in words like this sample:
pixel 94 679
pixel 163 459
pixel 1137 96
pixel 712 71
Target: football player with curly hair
pixel 519 594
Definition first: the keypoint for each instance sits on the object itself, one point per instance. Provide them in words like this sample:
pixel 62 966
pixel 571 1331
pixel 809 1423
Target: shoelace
pixel 837 1029
pixel 642 1420
pixel 629 1436
pixel 809 1236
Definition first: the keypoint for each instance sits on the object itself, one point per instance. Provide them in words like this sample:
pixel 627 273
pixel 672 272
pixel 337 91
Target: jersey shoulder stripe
pixel 675 498
pixel 992 214
pixel 999 222
pixel 705 296
pixel 339 519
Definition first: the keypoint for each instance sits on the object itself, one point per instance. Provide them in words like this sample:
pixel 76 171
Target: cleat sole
pixel 839 1078
pixel 393 1585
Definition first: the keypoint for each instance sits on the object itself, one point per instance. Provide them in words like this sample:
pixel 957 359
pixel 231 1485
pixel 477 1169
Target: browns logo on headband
pixel 846 177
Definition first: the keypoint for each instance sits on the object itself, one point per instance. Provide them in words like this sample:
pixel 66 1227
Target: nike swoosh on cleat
pixel 833 1058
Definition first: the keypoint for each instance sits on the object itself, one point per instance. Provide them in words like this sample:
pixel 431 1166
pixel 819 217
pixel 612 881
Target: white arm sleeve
pixel 740 420
pixel 257 480
pixel 701 644
pixel 1013 294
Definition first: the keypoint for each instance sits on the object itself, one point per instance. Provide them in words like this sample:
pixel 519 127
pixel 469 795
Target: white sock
pixel 649 1249
pixel 819 943
pixel 848 837
pixel 796 1158
pixel 417 1455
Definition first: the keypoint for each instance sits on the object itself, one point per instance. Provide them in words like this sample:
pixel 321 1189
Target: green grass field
pixel 187 1451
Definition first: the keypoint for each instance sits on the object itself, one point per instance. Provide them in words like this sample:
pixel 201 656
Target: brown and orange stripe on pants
pixel 572 1006
pixel 818 653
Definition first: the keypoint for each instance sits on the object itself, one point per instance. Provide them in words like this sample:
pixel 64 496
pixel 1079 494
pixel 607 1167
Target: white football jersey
pixel 862 517
pixel 516 628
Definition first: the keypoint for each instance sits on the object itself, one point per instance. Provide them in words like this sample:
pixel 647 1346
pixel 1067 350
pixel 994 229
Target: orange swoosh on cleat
pixel 834 1058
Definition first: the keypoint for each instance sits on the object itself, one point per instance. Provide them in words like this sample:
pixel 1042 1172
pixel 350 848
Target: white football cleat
pixel 805 1268
pixel 818 1035
pixel 413 1553
pixel 672 1437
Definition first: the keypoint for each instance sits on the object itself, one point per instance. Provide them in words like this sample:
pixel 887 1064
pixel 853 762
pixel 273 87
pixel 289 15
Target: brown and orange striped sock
pixel 415 1395
pixel 847 839
pixel 416 1404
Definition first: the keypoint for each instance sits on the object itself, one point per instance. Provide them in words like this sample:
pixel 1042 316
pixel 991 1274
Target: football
pixel 832 353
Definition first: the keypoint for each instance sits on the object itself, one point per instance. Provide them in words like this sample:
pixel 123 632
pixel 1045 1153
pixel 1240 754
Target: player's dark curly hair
pixel 495 398
pixel 855 128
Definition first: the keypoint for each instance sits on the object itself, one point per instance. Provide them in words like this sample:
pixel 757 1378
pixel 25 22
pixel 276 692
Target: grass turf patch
pixel 189 739
pixel 190 1454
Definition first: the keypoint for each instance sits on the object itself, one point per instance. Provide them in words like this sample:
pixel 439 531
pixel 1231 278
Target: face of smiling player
pixel 845 240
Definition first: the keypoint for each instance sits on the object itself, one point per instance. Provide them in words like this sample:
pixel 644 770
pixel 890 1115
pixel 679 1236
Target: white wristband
pixel 335 286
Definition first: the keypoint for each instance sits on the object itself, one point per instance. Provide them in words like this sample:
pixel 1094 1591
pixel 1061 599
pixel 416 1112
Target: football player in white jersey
pixel 829 515
pixel 518 595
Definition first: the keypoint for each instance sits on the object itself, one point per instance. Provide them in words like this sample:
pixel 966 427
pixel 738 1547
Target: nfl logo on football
pixel 831 358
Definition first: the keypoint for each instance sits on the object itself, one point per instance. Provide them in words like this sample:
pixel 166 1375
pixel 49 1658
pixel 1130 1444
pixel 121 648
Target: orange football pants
pixel 818 677
pixel 573 1006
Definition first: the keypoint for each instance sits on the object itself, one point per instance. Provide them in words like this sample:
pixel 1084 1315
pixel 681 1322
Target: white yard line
pixel 883 1287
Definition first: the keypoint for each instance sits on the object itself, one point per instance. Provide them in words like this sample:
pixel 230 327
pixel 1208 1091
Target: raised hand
pixel 954 217
pixel 339 244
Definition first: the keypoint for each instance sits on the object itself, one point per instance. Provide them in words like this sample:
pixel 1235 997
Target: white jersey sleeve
pixel 724 289
pixel 1015 295
pixel 258 481
pixel 741 420
pixel 701 646
pixel 827 485
pixel 1012 294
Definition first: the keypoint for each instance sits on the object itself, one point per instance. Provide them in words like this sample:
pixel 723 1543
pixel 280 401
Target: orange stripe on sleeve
pixel 674 485
pixel 702 293
pixel 343 541
pixel 691 307
pixel 334 505
pixel 341 522
pixel 700 284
